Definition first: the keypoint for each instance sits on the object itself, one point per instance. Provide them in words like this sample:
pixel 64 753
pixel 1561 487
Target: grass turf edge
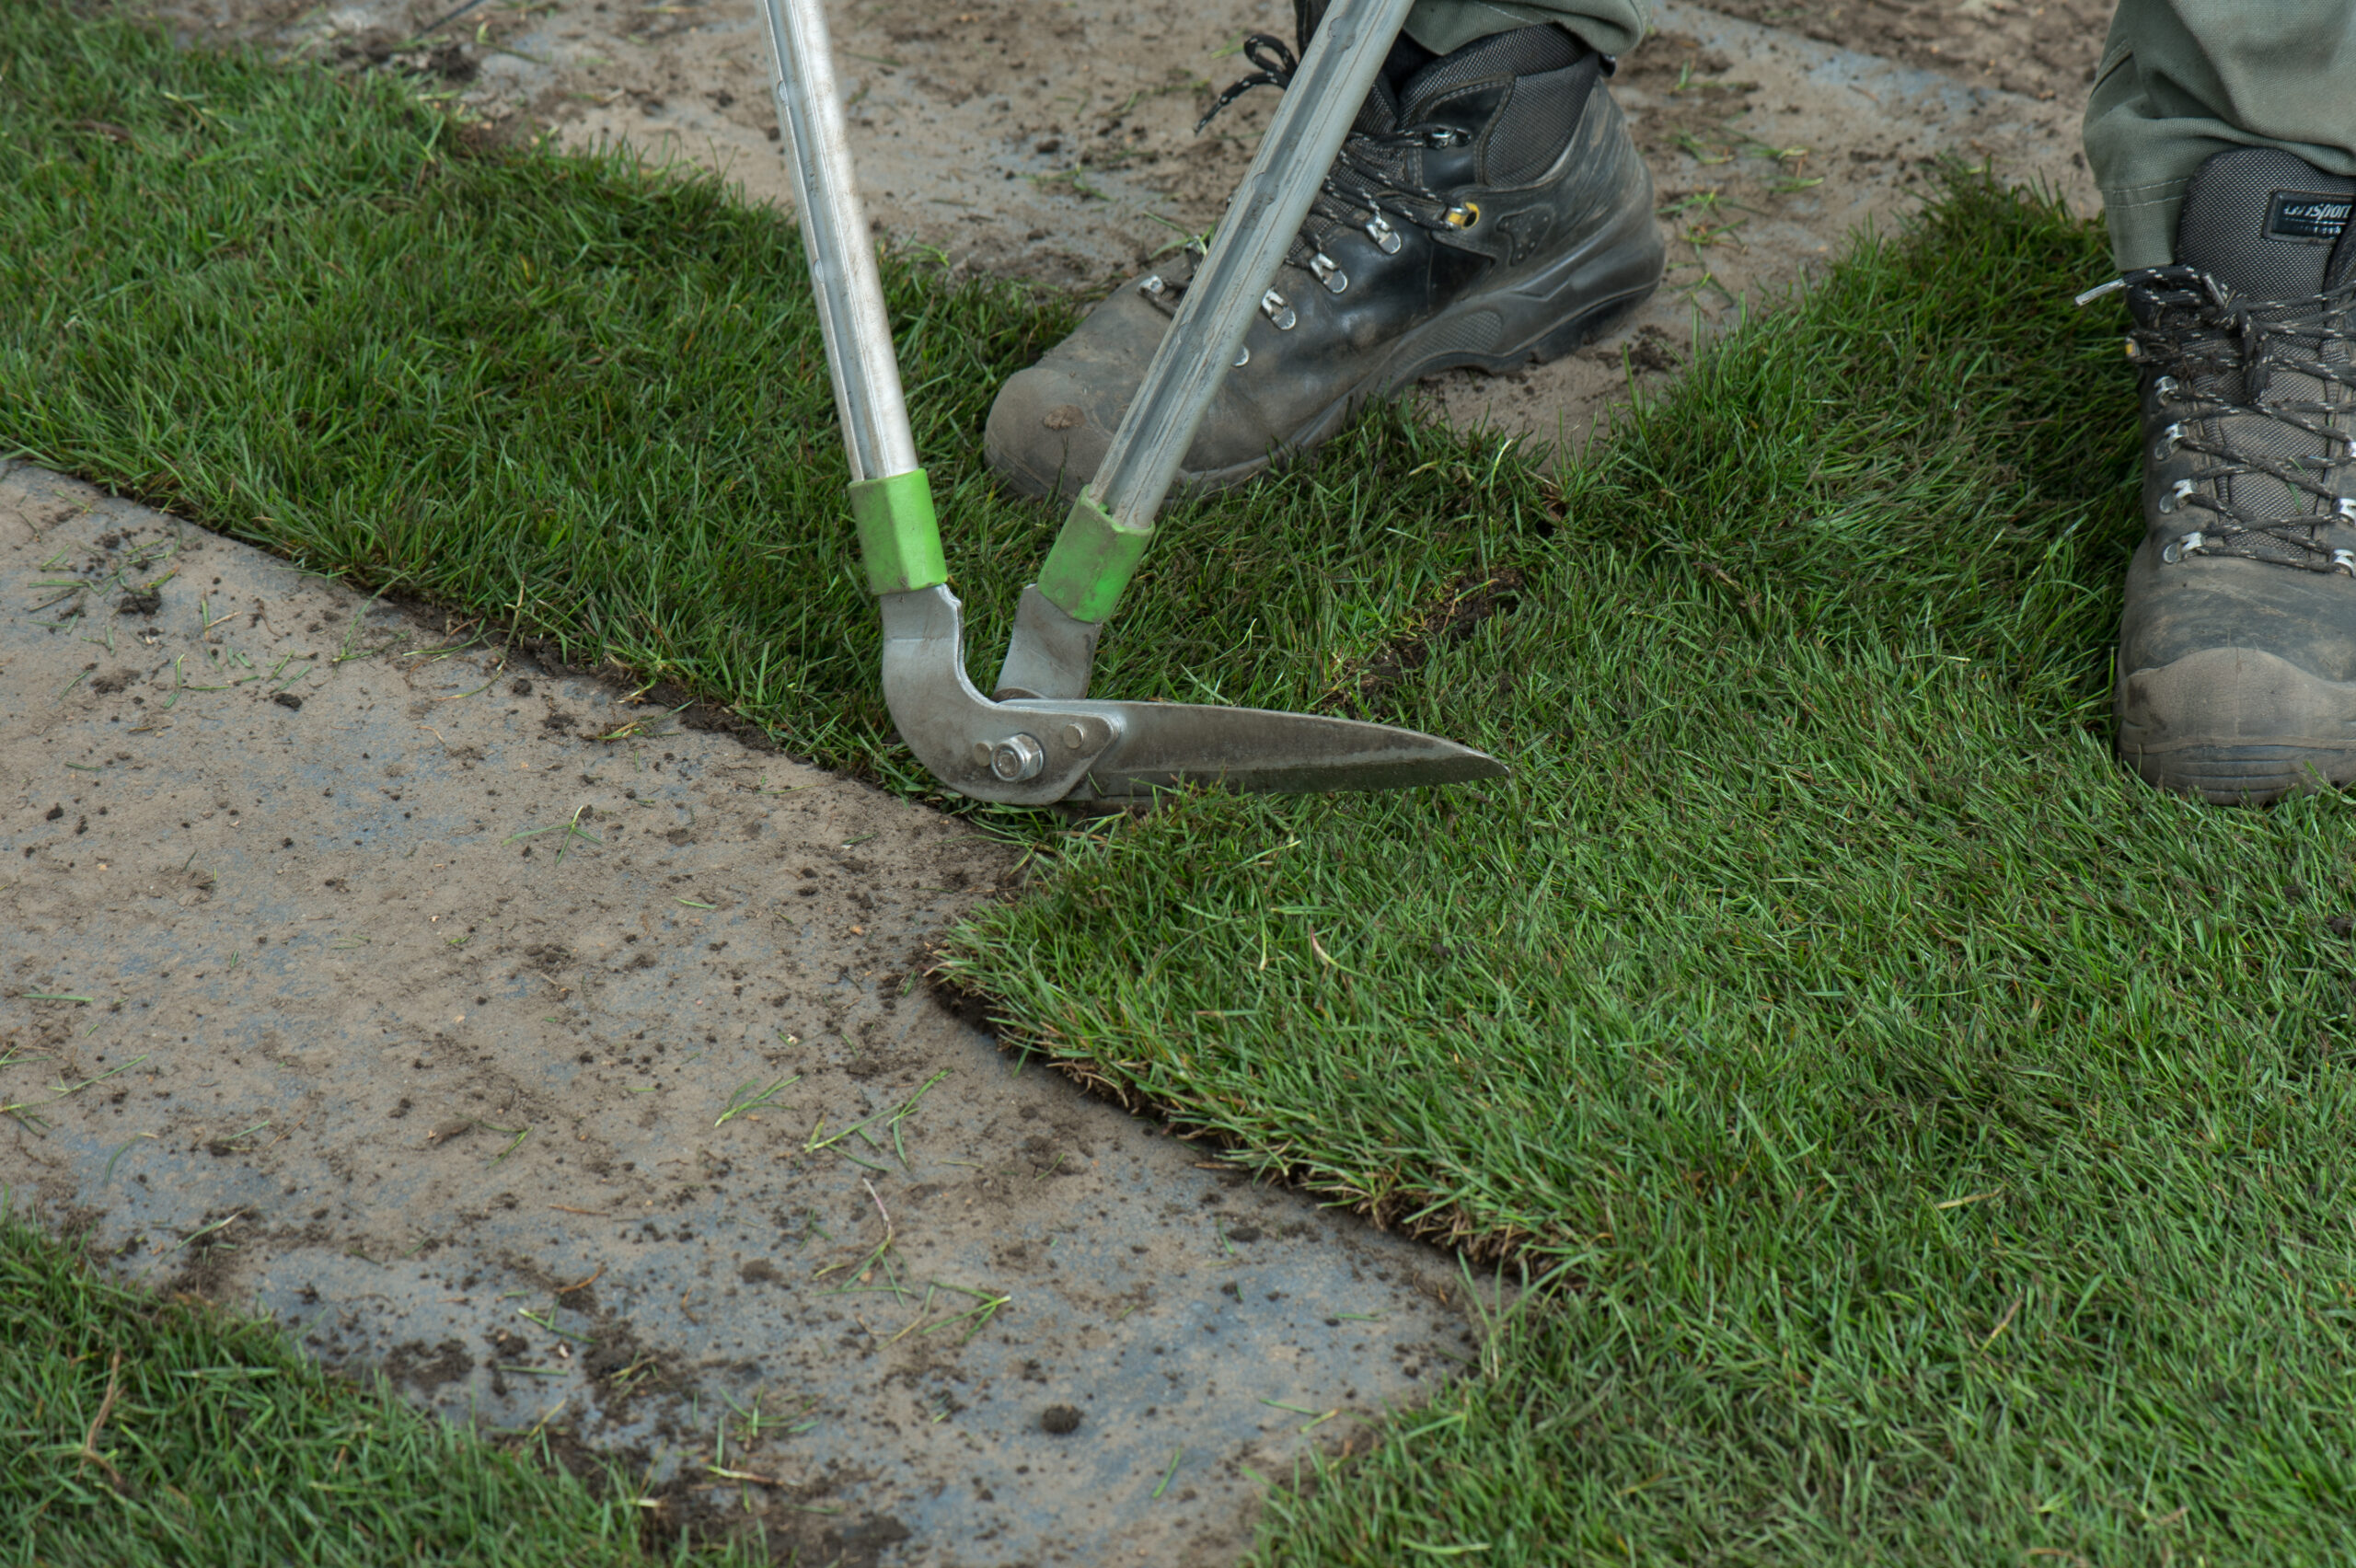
pixel 581 405
pixel 2016 240
pixel 1936 1134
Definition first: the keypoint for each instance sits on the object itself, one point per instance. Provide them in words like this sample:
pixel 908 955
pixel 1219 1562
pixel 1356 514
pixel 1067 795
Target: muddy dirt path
pixel 575 1069
pixel 1055 141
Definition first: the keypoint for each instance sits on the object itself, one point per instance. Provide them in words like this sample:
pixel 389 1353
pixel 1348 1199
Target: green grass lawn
pixel 1931 1139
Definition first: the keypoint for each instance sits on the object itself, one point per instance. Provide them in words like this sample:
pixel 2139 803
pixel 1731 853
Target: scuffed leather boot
pixel 2237 651
pixel 1489 209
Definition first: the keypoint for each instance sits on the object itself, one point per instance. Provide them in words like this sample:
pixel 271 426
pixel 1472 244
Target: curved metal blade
pixel 1038 751
pixel 1163 745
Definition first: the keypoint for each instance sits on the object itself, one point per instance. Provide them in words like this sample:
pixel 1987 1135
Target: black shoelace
pixel 1277 64
pixel 1367 184
pixel 2202 339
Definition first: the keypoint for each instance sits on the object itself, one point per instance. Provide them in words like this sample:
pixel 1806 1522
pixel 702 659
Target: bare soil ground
pixel 1056 141
pixel 1768 151
pixel 574 1064
pixel 2039 49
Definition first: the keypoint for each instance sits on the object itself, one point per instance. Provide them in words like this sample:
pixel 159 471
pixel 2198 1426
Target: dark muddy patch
pixel 1449 617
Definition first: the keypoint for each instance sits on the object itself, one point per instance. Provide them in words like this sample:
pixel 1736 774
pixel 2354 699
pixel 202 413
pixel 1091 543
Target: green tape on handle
pixel 899 541
pixel 1091 561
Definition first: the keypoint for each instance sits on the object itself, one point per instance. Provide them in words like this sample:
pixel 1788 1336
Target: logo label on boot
pixel 2306 214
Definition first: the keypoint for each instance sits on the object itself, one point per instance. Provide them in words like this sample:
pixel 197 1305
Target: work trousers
pixel 2180 80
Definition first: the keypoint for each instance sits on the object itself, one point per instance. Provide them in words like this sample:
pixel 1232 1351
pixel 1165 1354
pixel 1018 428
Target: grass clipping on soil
pixel 1935 1139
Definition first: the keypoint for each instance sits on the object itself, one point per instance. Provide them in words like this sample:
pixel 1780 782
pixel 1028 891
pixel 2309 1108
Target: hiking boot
pixel 2237 651
pixel 1487 209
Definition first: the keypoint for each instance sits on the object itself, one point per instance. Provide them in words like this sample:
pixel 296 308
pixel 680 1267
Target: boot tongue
pixel 1524 51
pixel 1379 114
pixel 2271 227
pixel 2266 224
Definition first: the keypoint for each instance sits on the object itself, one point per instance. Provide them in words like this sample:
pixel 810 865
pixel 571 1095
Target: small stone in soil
pixel 287 700
pixel 1059 1420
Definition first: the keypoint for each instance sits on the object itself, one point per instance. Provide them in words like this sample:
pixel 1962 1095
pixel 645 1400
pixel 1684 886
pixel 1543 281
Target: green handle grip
pixel 899 540
pixel 1091 561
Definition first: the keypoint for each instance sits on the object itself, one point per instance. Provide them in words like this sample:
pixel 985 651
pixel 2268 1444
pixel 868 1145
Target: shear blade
pixel 1161 745
pixel 1038 751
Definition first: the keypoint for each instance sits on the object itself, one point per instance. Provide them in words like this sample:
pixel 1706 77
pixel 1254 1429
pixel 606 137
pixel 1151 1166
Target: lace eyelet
pixel 2165 446
pixel 1329 272
pixel 1152 285
pixel 1385 237
pixel 2344 560
pixel 2176 497
pixel 2176 550
pixel 1273 306
pixel 1463 215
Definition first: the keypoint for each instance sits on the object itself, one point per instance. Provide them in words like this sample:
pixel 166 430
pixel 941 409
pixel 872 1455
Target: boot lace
pixel 2232 371
pixel 1368 184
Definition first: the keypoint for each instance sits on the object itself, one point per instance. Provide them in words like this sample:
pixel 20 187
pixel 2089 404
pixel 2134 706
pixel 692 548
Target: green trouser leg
pixel 2183 80
pixel 1611 27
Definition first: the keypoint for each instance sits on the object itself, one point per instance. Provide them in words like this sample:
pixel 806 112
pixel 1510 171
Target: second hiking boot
pixel 1489 209
pixel 2237 651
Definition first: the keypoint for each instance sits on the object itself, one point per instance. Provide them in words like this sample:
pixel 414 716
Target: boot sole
pixel 2247 728
pixel 1583 295
pixel 2244 775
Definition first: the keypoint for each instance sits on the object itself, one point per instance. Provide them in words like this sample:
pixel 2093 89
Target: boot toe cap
pixel 1048 432
pixel 2237 725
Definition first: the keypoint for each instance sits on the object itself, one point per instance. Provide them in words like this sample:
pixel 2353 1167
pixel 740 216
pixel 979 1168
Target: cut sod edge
pixel 1411 1212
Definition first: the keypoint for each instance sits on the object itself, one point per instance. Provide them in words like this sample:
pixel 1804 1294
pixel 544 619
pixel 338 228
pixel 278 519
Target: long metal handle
pixel 1114 515
pixel 1311 121
pixel 899 540
pixel 842 256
